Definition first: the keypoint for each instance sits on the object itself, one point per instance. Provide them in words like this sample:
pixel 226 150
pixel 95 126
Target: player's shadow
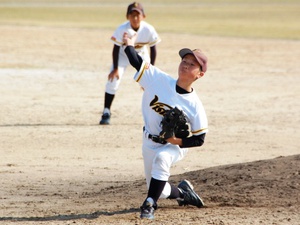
pixel 90 216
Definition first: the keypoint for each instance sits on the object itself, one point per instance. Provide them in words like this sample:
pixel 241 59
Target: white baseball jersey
pixel 146 37
pixel 160 95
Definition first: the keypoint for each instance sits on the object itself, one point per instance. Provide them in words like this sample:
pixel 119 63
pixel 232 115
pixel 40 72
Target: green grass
pixel 255 19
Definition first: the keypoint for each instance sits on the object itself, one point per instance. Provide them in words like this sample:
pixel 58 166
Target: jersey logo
pixel 138 46
pixel 159 107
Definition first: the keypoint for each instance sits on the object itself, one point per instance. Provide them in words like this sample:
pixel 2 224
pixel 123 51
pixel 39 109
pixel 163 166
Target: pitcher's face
pixel 189 68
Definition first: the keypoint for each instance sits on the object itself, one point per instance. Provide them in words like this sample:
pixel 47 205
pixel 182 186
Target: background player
pixel 147 38
pixel 161 93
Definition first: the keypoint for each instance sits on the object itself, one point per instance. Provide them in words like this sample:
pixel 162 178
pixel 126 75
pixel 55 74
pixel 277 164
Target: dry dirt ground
pixel 58 166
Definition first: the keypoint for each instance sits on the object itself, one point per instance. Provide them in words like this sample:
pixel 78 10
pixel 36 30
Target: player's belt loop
pixel 154 138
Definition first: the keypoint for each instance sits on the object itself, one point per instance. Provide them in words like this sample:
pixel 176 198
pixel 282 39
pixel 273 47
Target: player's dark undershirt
pixel 136 61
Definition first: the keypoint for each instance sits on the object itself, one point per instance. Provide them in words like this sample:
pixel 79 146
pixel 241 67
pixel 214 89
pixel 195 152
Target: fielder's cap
pixel 201 58
pixel 135 7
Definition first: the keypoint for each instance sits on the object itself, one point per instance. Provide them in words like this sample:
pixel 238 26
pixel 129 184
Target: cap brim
pixel 183 52
pixel 138 10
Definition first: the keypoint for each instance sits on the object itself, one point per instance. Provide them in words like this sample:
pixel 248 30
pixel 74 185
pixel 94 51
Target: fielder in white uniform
pixel 147 38
pixel 161 93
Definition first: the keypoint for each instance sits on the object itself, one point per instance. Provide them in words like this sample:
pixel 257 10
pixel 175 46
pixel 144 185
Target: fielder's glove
pixel 174 123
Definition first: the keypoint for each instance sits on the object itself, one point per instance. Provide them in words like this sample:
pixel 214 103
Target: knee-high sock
pixel 156 188
pixel 108 99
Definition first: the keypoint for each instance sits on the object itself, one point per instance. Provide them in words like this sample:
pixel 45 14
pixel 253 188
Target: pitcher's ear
pixel 201 74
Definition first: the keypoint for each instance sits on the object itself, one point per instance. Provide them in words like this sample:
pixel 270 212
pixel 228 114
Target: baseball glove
pixel 174 123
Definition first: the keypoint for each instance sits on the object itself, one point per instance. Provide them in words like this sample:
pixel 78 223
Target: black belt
pixel 156 138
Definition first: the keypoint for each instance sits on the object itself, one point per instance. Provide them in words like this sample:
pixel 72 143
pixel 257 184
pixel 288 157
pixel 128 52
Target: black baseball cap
pixel 136 6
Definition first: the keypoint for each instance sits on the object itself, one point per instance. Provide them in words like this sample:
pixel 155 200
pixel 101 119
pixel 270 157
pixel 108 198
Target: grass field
pixel 277 19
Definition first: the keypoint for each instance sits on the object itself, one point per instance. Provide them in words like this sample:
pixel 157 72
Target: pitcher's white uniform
pixel 160 95
pixel 146 37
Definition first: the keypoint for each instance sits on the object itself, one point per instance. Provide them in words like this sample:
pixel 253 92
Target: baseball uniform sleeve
pixel 199 123
pixel 117 37
pixel 154 38
pixel 135 59
pixel 193 141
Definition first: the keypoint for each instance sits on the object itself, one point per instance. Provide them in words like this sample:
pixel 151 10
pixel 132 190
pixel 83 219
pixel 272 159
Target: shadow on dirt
pixel 90 216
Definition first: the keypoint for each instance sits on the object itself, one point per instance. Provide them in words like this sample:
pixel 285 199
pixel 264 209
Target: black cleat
pixel 105 120
pixel 189 195
pixel 147 210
